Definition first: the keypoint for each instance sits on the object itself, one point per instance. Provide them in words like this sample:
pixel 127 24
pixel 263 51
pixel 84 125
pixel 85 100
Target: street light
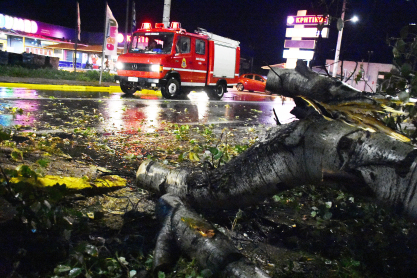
pixel 339 38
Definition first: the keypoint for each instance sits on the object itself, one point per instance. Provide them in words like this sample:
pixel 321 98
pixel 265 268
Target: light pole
pixel 339 38
pixel 126 24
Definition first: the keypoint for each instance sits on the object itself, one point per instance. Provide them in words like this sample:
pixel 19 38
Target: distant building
pixel 18 35
pixel 372 73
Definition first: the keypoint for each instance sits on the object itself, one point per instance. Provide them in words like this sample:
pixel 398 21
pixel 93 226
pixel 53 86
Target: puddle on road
pixel 110 112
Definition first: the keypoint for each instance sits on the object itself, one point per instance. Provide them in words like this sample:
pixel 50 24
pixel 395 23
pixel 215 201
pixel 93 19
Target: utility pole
pixel 167 11
pixel 339 41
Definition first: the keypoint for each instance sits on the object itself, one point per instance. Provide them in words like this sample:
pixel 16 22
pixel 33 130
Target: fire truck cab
pixel 178 62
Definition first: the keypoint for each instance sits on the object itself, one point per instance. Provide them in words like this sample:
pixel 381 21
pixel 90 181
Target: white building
pixel 372 73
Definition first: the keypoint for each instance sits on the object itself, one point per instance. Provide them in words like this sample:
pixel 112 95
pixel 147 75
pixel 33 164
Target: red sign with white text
pixel 307 20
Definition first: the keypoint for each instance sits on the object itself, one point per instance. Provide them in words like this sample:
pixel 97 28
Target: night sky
pixel 258 25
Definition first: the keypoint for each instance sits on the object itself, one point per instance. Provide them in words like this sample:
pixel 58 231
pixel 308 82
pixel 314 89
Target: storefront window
pixel 15 44
pixel 32 42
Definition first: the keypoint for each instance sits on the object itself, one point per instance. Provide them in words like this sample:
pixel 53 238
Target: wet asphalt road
pixel 36 110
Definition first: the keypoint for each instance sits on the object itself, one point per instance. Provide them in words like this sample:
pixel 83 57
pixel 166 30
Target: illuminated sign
pixel 306 44
pixel 121 38
pixel 307 20
pixel 18 24
pixel 305 33
pixel 298 54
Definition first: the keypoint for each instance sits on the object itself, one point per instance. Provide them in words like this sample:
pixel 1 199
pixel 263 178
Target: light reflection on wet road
pixel 103 111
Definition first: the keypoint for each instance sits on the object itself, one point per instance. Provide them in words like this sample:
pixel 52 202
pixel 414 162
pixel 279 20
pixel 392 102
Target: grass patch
pixel 91 76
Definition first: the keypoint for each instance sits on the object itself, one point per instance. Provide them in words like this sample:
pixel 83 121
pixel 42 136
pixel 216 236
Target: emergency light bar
pixel 159 25
pixel 175 25
pixel 146 26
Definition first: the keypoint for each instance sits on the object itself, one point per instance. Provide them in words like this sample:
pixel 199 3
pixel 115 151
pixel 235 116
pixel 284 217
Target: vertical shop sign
pixel 110 34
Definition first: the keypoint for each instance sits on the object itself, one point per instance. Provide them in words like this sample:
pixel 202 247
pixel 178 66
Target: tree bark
pixel 303 152
pixel 185 231
pixel 304 82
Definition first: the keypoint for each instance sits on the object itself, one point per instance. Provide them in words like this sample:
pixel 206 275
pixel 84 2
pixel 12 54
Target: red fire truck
pixel 178 62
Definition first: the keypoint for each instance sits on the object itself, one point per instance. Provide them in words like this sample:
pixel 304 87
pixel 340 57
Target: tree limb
pixel 185 230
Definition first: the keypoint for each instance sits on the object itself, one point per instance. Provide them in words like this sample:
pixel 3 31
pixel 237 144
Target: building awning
pixel 98 49
pixel 65 45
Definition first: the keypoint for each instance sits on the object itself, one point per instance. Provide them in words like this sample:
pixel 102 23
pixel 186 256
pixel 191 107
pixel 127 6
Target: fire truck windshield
pixel 151 43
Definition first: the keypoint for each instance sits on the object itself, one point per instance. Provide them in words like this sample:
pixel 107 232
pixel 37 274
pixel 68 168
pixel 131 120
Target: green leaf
pixel 400 46
pixel 62 268
pixel 276 198
pixel 161 274
pixel 43 162
pixel 17 154
pixel 123 261
pixel 75 272
pixel 4 135
pixel 356 263
pixel 396 52
pixel 213 150
pixel 218 155
pixel 26 172
pixel 327 215
pixel 406 69
pixel 91 250
pixel 181 157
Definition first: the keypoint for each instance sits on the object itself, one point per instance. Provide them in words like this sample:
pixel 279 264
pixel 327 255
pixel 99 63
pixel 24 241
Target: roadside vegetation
pixel 89 75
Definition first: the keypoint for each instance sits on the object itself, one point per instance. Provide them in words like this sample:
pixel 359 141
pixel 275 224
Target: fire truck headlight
pixel 156 68
pixel 119 65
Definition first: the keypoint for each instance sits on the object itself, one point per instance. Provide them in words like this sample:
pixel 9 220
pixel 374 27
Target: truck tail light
pixel 146 25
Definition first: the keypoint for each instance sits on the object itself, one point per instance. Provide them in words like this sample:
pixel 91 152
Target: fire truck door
pixel 200 61
pixel 183 59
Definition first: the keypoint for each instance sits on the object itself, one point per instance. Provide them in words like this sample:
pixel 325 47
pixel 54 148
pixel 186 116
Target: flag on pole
pixel 133 18
pixel 110 46
pixel 78 22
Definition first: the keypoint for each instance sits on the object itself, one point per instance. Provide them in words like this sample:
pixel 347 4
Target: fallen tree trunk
pixel 315 150
pixel 304 152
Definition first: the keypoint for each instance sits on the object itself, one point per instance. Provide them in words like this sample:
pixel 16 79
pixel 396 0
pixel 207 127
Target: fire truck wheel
pixel 171 89
pixel 127 88
pixel 240 87
pixel 217 92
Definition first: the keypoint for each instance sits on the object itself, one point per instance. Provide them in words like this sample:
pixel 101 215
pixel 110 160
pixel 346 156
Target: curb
pixel 110 89
pixel 78 88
